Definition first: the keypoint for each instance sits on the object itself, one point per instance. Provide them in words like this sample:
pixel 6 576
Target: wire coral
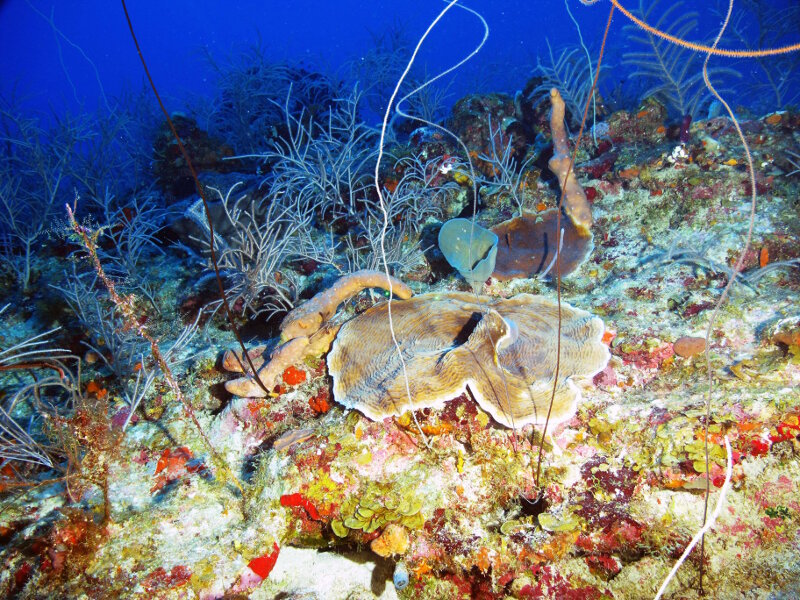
pixel 467 540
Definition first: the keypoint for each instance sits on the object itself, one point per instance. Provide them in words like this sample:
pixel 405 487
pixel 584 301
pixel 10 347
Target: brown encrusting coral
pixel 527 246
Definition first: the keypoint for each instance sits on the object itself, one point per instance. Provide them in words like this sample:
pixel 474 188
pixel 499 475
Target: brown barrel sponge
pixel 527 246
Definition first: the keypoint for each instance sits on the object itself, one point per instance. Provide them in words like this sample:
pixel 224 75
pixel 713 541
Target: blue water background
pixel 53 73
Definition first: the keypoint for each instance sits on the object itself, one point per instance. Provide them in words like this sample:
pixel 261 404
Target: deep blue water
pixel 175 36
pixel 54 72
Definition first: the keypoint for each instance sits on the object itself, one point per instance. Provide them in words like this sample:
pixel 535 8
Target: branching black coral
pixel 570 73
pixel 673 72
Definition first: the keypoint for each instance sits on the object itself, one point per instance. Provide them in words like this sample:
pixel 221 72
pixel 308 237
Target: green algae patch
pixel 377 508
pixel 561 523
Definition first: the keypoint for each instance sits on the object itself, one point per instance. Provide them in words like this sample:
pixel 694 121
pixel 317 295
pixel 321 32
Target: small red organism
pixel 785 431
pixel 506 579
pixel 319 403
pixel 293 376
pixel 20 578
pixel 549 583
pixel 67 539
pixel 758 447
pixel 606 378
pixel 603 566
pixel 7 476
pixel 121 417
pixel 256 571
pixel 96 389
pixel 161 580
pixel 695 309
pixel 263 565
pixel 301 501
pixel 717 476
pixel 173 465
pixel 256 405
pixel 598 167
pixel 637 353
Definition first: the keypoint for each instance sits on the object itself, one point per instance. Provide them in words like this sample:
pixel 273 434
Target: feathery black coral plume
pixel 674 74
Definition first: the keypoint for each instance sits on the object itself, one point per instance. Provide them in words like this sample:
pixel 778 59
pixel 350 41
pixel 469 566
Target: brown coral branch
pixel 126 307
pixel 558 262
pixel 305 331
pixel 200 192
pixel 284 356
pixel 233 362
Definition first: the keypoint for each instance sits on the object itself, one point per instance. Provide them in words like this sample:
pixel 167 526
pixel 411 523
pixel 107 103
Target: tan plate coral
pixel 502 350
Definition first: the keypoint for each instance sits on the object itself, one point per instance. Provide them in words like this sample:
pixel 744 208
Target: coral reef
pixel 405 462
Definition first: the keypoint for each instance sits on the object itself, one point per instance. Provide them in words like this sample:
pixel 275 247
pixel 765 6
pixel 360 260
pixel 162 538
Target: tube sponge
pixel 309 317
pixel 576 206
pixel 400 577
